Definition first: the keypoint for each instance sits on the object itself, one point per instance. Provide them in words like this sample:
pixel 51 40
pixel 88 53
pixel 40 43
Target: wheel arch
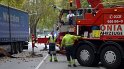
pixel 88 43
pixel 113 44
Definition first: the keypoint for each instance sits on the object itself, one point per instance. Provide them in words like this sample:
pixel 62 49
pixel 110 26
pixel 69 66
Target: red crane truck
pixel 102 32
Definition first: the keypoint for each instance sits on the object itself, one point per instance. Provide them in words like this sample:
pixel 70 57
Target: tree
pixel 13 3
pixel 41 13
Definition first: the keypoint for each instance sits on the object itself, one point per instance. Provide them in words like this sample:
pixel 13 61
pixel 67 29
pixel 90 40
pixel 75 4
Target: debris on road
pixel 5 53
pixel 25 56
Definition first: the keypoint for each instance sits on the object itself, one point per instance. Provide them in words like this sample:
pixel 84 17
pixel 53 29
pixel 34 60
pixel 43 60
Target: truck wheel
pixel 12 49
pixel 111 57
pixel 86 56
pixel 20 47
pixel 15 48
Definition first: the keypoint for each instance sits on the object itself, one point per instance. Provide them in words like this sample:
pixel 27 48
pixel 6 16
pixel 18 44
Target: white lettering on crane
pixel 115 19
pixel 115 16
pixel 112 29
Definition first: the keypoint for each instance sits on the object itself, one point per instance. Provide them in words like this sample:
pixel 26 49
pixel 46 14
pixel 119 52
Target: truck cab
pixel 63 24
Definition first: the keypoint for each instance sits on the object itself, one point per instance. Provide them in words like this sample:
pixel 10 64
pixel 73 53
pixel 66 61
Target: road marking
pixel 41 62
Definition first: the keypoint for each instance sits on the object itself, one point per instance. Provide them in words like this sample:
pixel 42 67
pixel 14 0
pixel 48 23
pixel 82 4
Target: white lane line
pixel 41 62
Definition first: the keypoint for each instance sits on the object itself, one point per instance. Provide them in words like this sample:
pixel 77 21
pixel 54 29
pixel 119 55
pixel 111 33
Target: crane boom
pixel 78 4
pixel 94 4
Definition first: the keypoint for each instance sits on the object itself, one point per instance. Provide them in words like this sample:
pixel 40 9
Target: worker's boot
pixel 73 61
pixel 69 63
pixel 74 65
pixel 50 59
pixel 55 59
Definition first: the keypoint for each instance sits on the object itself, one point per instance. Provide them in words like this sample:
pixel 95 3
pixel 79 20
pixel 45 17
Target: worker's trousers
pixel 70 21
pixel 70 52
pixel 52 50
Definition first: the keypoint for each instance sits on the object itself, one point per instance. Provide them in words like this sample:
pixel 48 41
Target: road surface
pixel 61 64
pixel 26 61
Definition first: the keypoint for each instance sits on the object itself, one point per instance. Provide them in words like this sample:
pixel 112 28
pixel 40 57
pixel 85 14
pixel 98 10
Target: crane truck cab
pixel 63 26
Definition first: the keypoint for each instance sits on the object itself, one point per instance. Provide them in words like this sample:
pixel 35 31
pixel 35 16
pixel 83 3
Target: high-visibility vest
pixel 52 40
pixel 68 40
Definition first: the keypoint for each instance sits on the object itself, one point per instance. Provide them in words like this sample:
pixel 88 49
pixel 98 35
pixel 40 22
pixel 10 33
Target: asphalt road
pixel 62 64
pixel 26 61
pixel 23 62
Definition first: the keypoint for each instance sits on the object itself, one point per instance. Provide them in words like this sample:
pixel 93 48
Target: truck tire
pixel 111 57
pixel 20 47
pixel 86 56
pixel 12 49
pixel 15 48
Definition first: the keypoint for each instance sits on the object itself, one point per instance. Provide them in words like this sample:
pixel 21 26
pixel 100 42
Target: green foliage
pixel 13 3
pixel 42 14
pixel 64 4
pixel 106 3
pixel 110 3
pixel 84 3
pixel 49 15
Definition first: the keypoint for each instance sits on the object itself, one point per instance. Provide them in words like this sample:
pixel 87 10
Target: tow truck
pixel 102 32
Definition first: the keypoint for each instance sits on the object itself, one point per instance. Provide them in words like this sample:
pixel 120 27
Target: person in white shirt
pixel 70 17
